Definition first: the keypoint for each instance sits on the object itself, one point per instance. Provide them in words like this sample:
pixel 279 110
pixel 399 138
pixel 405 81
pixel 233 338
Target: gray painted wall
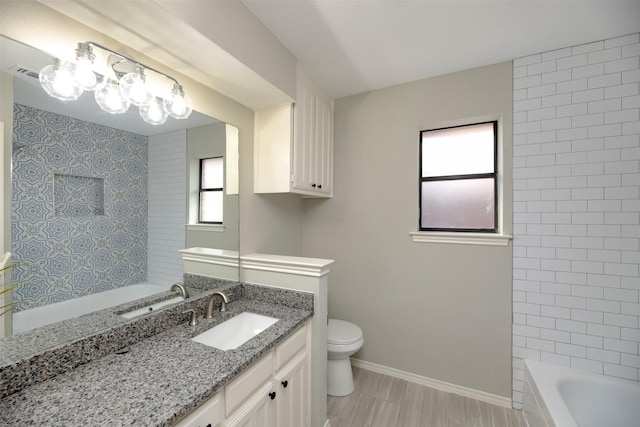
pixel 203 142
pixel 437 310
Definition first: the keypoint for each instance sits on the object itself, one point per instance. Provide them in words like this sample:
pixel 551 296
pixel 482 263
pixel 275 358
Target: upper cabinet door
pixel 324 145
pixel 304 113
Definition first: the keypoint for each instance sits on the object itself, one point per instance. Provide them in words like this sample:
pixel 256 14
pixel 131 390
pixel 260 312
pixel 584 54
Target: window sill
pixel 461 238
pixel 206 227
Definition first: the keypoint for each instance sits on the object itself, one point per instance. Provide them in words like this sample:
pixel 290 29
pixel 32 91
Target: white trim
pixel 314 267
pixel 327 424
pixel 205 227
pixel 461 238
pixel 210 256
pixel 482 396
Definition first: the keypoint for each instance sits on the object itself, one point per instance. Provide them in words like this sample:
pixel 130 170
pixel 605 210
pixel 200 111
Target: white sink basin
pixel 236 331
pixel 150 308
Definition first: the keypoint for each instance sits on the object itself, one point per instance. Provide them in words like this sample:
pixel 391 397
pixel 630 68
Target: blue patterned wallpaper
pixel 71 245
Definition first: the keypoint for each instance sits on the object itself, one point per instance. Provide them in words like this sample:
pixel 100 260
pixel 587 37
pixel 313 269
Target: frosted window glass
pixel 458 151
pixel 458 204
pixel 211 206
pixel 212 173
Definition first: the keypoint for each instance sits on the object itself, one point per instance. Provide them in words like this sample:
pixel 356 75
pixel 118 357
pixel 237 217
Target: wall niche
pixel 77 196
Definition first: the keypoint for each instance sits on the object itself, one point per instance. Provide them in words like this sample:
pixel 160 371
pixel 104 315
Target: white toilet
pixel 343 340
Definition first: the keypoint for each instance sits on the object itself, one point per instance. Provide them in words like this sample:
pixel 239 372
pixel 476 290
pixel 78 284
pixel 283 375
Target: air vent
pixel 24 72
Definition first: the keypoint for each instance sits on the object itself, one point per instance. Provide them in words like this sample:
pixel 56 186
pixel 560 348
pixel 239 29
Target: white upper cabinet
pixel 294 145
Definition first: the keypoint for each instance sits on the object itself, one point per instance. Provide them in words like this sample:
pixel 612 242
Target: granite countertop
pixel 158 380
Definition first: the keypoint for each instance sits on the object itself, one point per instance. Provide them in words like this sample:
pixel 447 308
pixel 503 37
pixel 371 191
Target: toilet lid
pixel 343 333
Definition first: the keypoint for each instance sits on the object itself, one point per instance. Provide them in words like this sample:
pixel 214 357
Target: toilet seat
pixel 340 332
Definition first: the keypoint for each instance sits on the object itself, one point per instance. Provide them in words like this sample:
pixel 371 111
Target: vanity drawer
pixel 207 414
pixel 247 383
pixel 290 347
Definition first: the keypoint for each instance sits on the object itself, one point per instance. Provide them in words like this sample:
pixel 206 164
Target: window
pixel 458 189
pixel 211 190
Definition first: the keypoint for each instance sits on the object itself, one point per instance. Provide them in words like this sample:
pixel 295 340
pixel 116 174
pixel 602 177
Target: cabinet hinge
pixel 293 178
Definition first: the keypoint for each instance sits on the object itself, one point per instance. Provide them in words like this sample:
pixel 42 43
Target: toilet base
pixel 339 377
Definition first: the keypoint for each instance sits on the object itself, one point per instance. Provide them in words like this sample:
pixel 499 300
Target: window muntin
pixel 211 190
pixel 458 179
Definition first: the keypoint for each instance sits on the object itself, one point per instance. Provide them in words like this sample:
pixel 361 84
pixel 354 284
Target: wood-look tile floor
pixel 383 401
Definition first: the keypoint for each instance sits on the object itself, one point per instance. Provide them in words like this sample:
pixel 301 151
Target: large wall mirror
pixel 103 201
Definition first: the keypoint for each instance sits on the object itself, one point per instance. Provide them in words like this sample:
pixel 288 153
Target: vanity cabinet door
pixel 291 400
pixel 257 411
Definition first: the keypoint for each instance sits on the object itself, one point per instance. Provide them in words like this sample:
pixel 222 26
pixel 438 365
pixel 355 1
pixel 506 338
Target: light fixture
pixel 178 105
pixel 124 83
pixel 133 86
pixel 59 82
pixel 153 113
pixel 110 99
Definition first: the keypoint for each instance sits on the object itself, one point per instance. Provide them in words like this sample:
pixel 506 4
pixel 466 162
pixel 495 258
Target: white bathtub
pixel 34 318
pixel 556 396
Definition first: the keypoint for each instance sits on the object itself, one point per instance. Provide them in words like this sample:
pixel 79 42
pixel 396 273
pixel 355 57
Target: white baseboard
pixel 483 396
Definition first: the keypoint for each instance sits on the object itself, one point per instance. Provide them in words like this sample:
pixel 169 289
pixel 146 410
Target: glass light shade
pixel 110 99
pixel 133 86
pixel 84 67
pixel 153 113
pixel 178 105
pixel 59 82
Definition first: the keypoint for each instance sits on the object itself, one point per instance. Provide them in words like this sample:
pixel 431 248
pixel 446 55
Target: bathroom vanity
pixel 149 371
pixel 272 392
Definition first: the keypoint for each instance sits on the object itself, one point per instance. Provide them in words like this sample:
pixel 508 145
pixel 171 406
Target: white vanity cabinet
pixel 282 398
pixel 294 144
pixel 274 391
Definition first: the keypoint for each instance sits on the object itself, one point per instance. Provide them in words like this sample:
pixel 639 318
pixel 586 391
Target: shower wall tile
pixel 86 248
pixel 577 209
pixel 167 206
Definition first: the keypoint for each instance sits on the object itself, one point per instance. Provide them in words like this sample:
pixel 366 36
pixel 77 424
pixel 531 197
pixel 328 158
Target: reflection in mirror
pixel 100 201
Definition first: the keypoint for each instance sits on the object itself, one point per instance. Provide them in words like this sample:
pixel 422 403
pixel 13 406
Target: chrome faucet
pixel 223 306
pixel 183 291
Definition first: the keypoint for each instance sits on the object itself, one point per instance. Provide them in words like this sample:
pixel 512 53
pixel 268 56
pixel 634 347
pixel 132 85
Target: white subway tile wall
pixel 576 278
pixel 167 184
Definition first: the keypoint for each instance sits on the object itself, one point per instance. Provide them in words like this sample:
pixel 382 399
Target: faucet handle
pixel 194 317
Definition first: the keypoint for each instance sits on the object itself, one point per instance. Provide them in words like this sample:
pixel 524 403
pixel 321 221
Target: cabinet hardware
pixel 313 185
pixel 319 186
pixel 285 383
pixel 272 395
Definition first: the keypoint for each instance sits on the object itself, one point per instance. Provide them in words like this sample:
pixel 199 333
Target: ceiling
pixel 351 46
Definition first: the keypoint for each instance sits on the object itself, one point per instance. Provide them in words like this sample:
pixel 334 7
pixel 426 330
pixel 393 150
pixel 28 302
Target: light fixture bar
pixel 130 59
